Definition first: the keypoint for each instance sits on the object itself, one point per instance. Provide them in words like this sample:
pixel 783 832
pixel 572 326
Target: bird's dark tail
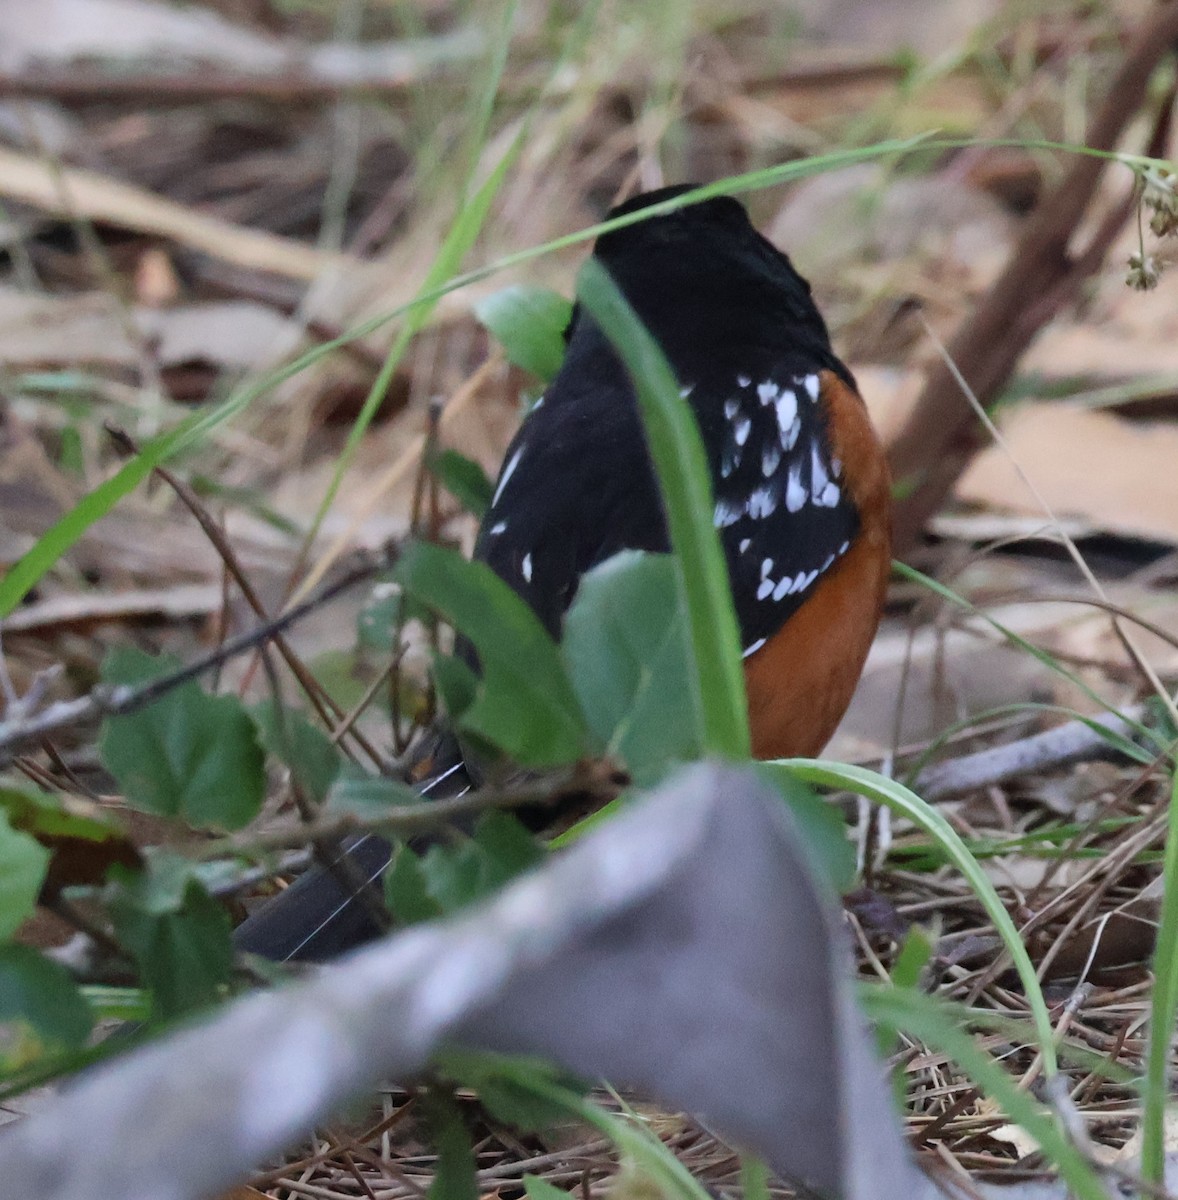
pixel 319 916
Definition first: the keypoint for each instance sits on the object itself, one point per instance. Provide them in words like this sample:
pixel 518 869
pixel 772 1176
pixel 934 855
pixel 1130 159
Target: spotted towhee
pixel 800 485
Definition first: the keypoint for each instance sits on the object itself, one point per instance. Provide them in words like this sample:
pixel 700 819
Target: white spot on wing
pixel 762 502
pixel 731 408
pixel 783 586
pixel 818 474
pixel 770 459
pixel 810 383
pixel 741 430
pixel 729 461
pixel 767 391
pixel 743 381
pixel 526 568
pixel 787 410
pixel 754 647
pixel 766 566
pixel 745 543
pixel 765 590
pixel 795 494
pixel 508 472
pixel 686 390
pixel 498 528
pixel 726 513
pixel 825 492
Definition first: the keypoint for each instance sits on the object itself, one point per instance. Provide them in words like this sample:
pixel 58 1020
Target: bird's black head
pixel 718 216
pixel 704 270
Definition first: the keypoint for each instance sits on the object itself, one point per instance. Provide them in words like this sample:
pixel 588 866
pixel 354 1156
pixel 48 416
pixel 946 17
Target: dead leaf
pixel 1116 474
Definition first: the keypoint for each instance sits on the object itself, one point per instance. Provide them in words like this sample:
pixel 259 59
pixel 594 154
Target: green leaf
pixel 464 479
pixel 177 933
pixel 679 460
pixel 820 825
pixel 539 1188
pixel 525 703
pixel 912 959
pixel 529 323
pixel 406 889
pixel 454 1175
pixel 23 863
pixel 41 1007
pixel 186 755
pixel 457 684
pixel 313 758
pixel 56 815
pixel 368 795
pixel 447 878
pixel 627 646
pixel 505 1084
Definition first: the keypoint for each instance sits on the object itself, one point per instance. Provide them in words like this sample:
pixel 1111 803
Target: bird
pixel 801 490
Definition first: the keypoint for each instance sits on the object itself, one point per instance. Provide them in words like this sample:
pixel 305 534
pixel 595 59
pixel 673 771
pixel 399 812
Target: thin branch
pixel 106 701
pixel 941 435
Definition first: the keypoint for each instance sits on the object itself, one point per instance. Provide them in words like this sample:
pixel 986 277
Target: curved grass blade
pixel 908 804
pixel 926 1018
pixel 1163 1010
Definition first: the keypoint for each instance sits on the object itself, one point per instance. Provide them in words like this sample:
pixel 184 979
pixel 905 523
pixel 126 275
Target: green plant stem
pixel 680 463
pixel 1163 1009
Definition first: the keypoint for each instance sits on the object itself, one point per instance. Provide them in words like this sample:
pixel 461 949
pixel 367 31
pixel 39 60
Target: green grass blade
pixel 925 1018
pixel 457 244
pixel 679 460
pixel 908 804
pixel 1163 1010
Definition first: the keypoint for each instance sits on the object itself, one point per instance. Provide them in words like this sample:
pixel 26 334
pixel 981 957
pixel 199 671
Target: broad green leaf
pixel 464 479
pixel 41 1007
pixel 56 815
pixel 529 323
pixel 314 760
pixel 187 754
pixel 23 862
pixel 679 460
pixel 628 649
pixel 177 933
pixel 525 703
